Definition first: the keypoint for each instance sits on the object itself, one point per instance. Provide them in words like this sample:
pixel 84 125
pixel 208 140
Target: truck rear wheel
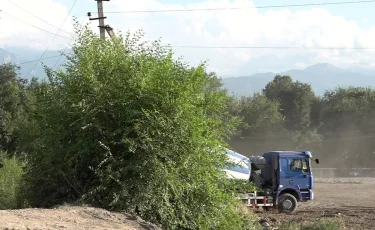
pixel 287 203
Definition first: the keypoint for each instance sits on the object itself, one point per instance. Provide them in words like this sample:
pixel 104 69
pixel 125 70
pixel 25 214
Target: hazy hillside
pixel 320 76
pixel 24 57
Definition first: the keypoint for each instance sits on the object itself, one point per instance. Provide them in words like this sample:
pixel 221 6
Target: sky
pixel 341 25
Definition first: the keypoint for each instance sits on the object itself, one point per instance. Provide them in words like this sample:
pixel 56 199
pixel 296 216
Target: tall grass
pixel 320 224
pixel 11 175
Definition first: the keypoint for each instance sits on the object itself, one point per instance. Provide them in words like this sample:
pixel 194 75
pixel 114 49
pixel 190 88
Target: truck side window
pixel 296 165
pixel 305 167
pixel 284 165
pixel 299 165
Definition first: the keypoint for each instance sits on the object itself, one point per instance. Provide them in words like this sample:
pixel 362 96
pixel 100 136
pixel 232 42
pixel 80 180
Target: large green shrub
pixel 128 127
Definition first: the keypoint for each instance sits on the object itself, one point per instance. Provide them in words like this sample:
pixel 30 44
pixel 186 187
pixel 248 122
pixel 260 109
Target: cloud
pixel 17 33
pixel 312 27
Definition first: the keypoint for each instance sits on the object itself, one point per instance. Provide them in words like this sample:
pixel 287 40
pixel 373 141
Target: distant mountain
pixel 247 85
pixel 6 56
pixel 26 59
pixel 322 76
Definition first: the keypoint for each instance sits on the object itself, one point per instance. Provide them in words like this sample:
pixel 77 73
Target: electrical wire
pixel 249 47
pixel 81 24
pixel 269 47
pixel 238 8
pixel 53 37
pixel 38 17
pixel 26 62
pixel 34 26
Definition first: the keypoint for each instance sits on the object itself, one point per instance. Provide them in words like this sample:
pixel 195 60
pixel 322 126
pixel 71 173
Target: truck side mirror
pixel 317 161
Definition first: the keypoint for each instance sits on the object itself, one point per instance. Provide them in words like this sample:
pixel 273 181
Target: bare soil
pixel 350 200
pixel 67 217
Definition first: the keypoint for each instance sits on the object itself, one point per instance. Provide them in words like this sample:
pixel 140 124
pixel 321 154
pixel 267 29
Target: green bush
pixel 239 186
pixel 11 175
pixel 127 127
pixel 320 224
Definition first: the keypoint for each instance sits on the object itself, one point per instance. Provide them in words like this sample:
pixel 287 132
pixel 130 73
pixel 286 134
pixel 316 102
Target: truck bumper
pixel 307 195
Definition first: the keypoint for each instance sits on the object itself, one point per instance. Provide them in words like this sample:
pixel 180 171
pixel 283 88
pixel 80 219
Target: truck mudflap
pixel 256 200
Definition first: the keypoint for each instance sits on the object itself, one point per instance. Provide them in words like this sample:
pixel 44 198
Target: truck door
pixel 298 173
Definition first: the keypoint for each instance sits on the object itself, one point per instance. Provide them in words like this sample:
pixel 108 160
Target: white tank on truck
pixel 244 165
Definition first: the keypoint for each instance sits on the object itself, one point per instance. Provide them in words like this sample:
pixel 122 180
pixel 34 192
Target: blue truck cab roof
pixel 288 154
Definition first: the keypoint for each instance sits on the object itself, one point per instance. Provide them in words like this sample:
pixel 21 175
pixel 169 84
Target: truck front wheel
pixel 287 203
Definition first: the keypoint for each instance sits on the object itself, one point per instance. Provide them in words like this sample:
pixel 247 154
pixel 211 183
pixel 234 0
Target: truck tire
pixel 287 203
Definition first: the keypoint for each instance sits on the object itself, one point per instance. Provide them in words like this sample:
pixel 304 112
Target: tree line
pixel 338 127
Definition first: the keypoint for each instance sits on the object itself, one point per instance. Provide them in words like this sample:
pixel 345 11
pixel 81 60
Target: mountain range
pixel 25 59
pixel 321 76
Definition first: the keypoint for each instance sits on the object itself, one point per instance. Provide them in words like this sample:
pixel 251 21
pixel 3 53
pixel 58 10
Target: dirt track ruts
pixel 344 199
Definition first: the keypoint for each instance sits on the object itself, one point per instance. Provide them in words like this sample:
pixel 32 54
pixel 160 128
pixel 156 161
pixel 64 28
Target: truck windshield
pixel 299 165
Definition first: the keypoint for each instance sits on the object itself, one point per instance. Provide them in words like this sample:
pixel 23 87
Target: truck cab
pixel 285 178
pixel 289 170
pixel 288 175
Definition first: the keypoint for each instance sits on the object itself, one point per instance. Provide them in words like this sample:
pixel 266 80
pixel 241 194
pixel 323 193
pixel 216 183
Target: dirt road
pixel 351 200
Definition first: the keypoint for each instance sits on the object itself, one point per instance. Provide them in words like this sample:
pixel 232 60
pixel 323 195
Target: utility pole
pixel 100 17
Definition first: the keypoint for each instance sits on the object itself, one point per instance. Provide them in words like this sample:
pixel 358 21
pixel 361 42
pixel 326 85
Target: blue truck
pixel 284 178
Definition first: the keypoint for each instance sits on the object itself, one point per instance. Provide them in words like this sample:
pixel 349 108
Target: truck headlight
pixel 312 194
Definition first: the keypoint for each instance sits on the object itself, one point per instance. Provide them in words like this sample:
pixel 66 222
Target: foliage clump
pixel 319 224
pixel 11 179
pixel 128 127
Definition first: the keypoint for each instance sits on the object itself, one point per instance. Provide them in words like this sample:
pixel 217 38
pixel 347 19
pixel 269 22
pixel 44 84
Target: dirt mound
pixel 71 217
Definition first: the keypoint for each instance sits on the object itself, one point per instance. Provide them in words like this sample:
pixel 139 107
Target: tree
pixel 348 125
pixel 128 127
pixel 263 125
pixel 13 104
pixel 296 102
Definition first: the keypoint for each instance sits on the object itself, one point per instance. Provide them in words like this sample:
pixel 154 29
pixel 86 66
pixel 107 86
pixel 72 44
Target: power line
pixel 268 47
pixel 22 63
pixel 53 37
pixel 240 8
pixel 69 43
pixel 34 26
pixel 26 62
pixel 38 17
pixel 246 47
